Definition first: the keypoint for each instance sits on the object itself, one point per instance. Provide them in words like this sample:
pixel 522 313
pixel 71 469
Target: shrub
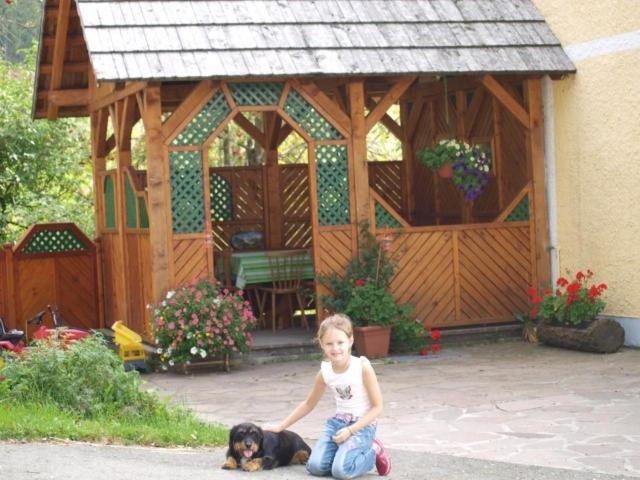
pixel 85 377
pixel 201 320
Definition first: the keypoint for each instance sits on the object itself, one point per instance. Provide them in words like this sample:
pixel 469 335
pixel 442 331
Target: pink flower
pixel 171 326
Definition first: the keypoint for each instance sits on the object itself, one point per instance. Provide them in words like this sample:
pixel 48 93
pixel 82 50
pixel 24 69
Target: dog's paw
pixel 253 465
pixel 230 464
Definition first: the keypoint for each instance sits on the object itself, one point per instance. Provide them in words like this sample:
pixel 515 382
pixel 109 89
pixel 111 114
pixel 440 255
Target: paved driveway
pixel 508 402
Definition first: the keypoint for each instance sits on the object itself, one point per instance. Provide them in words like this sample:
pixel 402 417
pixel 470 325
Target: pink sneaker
pixel 383 462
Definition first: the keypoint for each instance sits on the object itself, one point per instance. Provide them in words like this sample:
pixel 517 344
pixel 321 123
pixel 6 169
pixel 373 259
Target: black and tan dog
pixel 252 449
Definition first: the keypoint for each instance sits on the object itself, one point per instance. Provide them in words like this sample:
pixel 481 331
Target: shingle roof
pixel 179 39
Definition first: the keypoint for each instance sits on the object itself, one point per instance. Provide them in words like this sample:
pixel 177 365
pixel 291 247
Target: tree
pixel 19 26
pixel 44 170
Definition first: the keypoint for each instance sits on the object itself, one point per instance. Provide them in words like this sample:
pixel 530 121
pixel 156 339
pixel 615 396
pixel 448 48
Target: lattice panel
pixel 495 271
pixel 53 241
pixel 425 275
pixel 130 203
pixel 189 260
pixel 187 192
pixel 205 122
pixel 309 119
pixel 335 250
pixel 109 202
pixel 384 219
pixel 521 212
pixel 386 180
pixel 221 198
pixel 256 93
pixel 333 185
pixel 248 196
pixel 297 234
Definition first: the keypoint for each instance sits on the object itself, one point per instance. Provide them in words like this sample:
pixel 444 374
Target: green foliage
pixel 200 320
pixel 19 25
pixel 363 294
pixel 575 303
pixel 44 173
pixel 85 377
pixel 446 151
pixel 382 145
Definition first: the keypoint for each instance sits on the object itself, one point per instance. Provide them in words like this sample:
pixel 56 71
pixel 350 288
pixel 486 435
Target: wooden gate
pixel 53 264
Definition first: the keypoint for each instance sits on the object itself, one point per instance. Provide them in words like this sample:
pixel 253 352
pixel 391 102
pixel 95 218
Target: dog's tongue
pixel 248 453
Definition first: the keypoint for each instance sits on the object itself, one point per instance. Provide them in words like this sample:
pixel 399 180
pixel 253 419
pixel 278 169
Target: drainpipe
pixel 550 172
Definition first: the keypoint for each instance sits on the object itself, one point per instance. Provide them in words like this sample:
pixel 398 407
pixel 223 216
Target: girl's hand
pixel 342 435
pixel 272 428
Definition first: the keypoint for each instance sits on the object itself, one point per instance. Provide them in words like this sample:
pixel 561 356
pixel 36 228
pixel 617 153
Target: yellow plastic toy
pixel 129 343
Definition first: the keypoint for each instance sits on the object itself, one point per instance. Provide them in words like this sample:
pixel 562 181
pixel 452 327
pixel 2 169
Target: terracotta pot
pixel 372 341
pixel 445 171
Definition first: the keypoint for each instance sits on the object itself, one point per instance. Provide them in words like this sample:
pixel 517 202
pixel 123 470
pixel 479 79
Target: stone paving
pixel 510 402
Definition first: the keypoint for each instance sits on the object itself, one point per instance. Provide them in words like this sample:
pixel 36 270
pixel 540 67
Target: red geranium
pixel 435 335
pixel 562 282
pixel 424 351
pixel 435 348
pixel 360 283
pixel 573 288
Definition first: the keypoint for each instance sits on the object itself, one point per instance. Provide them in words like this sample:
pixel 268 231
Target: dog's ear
pixel 232 434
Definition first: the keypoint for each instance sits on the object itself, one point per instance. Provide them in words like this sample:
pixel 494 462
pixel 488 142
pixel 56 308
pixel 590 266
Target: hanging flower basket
pixel 470 165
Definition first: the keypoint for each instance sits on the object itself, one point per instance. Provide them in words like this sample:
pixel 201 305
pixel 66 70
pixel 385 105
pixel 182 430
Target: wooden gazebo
pixel 328 70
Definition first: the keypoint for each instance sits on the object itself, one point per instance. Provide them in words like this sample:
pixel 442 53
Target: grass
pixel 169 428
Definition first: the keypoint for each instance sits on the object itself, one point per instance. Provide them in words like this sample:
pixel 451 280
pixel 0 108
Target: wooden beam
pixel 189 107
pixel 284 133
pixel 414 118
pixel 358 167
pixel 157 184
pixel 71 67
pixel 391 97
pixel 387 121
pixel 72 41
pixel 113 97
pixel 59 49
pixel 128 118
pixel 505 98
pixel 329 108
pixel 471 114
pixel 68 98
pixel 535 154
pixel 272 188
pixel 255 133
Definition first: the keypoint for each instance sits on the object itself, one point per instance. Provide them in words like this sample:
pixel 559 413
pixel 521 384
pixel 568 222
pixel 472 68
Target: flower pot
pixel 600 336
pixel 445 171
pixel 372 341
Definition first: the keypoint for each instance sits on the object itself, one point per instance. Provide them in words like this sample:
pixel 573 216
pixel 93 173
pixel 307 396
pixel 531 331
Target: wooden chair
pixel 286 270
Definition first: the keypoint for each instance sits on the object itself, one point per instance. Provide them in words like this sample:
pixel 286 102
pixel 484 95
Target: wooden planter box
pixel 372 341
pixel 601 336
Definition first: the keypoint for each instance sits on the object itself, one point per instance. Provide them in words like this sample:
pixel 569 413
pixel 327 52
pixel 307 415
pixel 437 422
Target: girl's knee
pixel 316 467
pixel 338 472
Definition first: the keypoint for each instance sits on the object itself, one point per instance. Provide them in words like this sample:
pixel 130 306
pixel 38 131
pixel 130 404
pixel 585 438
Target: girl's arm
pixel 305 406
pixel 370 381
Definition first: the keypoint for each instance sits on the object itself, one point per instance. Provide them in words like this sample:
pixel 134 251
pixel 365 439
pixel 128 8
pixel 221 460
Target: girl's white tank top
pixel 348 387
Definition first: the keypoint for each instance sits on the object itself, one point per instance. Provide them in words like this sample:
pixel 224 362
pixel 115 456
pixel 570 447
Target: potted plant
pixel 363 294
pixel 201 321
pixel 567 316
pixel 467 165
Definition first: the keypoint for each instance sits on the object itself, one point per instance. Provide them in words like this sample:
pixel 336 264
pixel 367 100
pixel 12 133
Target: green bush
pixel 84 377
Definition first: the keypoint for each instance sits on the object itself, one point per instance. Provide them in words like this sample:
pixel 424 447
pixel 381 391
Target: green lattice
pixel 309 119
pixel 144 216
pixel 187 192
pixel 221 199
pixel 109 203
pixel 333 185
pixel 203 124
pixel 521 212
pixel 256 93
pixel 384 219
pixel 54 241
pixel 130 202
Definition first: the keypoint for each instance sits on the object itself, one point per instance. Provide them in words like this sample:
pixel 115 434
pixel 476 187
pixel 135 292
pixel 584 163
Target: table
pixel 249 268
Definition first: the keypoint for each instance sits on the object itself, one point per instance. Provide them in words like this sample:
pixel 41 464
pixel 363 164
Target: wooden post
pixel 535 154
pixel 358 153
pixel 157 186
pixel 272 190
pixel 408 159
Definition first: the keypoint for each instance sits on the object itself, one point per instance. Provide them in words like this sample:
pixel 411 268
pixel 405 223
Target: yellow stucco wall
pixel 597 146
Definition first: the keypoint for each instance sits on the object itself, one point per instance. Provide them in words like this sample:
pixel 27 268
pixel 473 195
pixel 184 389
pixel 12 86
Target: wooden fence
pixel 53 264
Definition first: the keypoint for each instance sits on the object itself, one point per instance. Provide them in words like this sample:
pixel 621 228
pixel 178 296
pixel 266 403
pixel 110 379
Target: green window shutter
pixel 130 203
pixel 144 216
pixel 109 202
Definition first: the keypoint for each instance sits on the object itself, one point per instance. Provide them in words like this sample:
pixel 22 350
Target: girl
pixel 346 448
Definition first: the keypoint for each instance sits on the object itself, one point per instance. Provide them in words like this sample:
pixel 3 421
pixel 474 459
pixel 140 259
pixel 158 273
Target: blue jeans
pixel 350 459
